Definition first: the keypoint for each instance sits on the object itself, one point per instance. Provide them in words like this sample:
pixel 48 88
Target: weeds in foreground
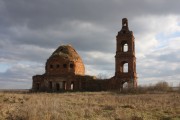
pixel 158 102
pixel 160 87
pixel 89 105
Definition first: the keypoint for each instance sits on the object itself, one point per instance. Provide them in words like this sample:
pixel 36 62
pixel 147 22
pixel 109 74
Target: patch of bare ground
pixel 89 105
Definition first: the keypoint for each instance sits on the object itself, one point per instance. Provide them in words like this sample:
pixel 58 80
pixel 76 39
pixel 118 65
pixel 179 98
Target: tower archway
pixel 125 67
pixel 124 46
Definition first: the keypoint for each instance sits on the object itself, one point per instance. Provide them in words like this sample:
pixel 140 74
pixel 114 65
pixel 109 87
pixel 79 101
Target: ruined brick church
pixel 65 71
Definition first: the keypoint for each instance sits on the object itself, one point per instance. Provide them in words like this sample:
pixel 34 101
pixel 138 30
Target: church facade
pixel 65 71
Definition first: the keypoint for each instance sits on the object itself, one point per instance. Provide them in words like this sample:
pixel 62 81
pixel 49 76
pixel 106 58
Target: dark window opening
pixel 71 66
pixel 64 85
pixel 124 31
pixel 51 66
pixel 57 66
pixel 57 86
pixel 50 85
pixel 65 65
pixel 83 85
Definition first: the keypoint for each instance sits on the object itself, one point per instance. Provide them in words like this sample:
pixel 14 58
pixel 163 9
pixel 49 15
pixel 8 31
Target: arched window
pixel 71 65
pixel 125 68
pixel 125 47
pixel 64 65
pixel 51 66
pixel 57 66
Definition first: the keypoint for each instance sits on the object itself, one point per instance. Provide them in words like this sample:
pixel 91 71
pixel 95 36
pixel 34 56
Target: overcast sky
pixel 30 30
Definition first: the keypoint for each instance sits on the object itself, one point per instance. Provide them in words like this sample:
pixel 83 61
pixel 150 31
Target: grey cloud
pixel 159 64
pixel 166 54
pixel 171 57
pixel 43 13
pixel 24 53
pixel 96 41
pixel 19 74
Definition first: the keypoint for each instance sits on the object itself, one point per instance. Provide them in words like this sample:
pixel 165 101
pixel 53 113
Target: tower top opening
pixel 124 22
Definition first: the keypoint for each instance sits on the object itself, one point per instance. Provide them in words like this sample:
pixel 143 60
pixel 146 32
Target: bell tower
pixel 125 60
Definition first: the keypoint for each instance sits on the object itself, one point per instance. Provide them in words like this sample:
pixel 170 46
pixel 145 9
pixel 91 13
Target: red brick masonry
pixel 65 69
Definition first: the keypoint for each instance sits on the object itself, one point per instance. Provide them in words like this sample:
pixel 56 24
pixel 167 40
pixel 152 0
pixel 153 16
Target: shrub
pixel 162 86
pixel 158 87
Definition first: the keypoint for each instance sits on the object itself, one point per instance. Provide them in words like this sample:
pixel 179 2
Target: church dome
pixel 67 52
pixel 65 60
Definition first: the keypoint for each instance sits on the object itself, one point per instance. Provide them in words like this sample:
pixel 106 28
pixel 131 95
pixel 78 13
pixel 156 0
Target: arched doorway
pixel 125 85
pixel 72 85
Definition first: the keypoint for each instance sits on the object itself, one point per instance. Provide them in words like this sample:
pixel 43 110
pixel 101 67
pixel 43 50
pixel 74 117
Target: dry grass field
pixel 89 106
